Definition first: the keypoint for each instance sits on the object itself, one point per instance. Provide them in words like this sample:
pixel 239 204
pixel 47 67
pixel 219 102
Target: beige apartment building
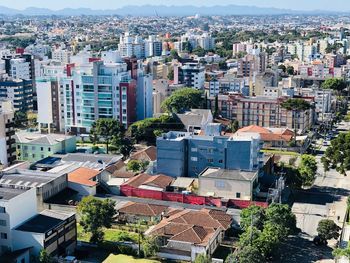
pixel 263 111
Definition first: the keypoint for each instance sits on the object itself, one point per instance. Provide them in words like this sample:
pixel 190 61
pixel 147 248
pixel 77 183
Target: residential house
pixel 184 234
pixel 228 184
pixel 133 212
pixel 36 146
pixel 84 181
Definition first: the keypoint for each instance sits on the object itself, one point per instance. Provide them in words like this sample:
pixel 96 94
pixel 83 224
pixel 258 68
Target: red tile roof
pixel 83 176
pixel 142 209
pixel 149 154
pixel 161 181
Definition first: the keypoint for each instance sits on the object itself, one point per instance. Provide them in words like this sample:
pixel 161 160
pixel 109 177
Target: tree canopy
pixel 307 169
pixel 95 214
pixel 104 130
pixel 183 100
pixel 337 154
pixel 264 230
pixel 148 129
pixel 327 229
pixel 296 104
pixel 336 84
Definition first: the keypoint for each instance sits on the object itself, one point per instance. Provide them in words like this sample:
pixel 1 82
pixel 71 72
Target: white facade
pixel 61 55
pixel 43 89
pixel 19 68
pixel 13 212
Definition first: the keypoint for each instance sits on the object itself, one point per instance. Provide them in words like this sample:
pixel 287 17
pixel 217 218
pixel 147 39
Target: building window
pixel 194 159
pixel 49 149
pixel 2 222
pixel 33 148
pixel 221 161
pixel 194 150
pixel 220 184
pixel 3 235
pixel 210 160
pixel 41 148
pixel 238 195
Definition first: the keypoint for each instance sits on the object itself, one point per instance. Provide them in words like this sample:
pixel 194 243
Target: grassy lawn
pixel 281 152
pixel 111 234
pixel 127 259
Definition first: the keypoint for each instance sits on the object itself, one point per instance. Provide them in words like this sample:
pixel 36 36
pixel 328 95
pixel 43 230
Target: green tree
pixel 327 229
pixel 337 154
pixel 144 131
pixel 20 119
pixel 290 70
pixel 94 215
pixel 105 130
pixel 282 67
pixel 182 100
pixel 150 246
pixel 281 215
pixel 252 216
pixel 133 165
pixel 233 126
pixel 246 254
pixel 202 258
pixel 137 166
pixel 336 84
pixel 122 145
pixel 45 257
pixel 296 106
pixel 216 107
pixel 171 74
pixel 199 51
pixel 307 169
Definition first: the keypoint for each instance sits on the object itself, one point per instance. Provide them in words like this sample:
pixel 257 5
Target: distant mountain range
pixel 161 10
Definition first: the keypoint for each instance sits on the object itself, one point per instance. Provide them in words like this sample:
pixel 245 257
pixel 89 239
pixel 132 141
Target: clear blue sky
pixel 339 5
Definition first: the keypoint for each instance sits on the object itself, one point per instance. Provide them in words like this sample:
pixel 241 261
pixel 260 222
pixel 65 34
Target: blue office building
pixel 185 154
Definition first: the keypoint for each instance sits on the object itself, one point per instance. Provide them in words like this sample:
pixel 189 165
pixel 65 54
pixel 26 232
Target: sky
pixel 336 5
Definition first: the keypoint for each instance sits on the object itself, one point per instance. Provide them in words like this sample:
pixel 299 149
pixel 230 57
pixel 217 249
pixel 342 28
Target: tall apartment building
pixel 18 91
pixel 263 111
pixel 16 206
pixel 153 47
pixel 190 74
pixel 49 105
pixel 130 46
pixel 102 90
pixel 228 84
pixel 252 64
pixel 62 55
pixel 7 131
pixel 184 154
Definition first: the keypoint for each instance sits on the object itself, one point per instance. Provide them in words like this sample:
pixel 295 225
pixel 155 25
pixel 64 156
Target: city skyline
pixel 337 5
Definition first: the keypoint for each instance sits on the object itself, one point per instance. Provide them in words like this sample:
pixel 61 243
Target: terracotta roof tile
pixel 149 154
pixel 142 209
pixel 83 176
pixel 161 181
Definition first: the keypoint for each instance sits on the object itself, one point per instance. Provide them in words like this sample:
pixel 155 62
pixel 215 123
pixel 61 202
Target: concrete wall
pixel 82 189
pixel 225 188
pixel 172 157
pixel 23 239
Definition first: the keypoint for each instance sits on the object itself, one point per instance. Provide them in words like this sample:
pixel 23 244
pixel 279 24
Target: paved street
pixel 325 199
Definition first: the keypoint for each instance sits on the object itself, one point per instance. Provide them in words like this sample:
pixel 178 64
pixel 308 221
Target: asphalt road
pixel 326 199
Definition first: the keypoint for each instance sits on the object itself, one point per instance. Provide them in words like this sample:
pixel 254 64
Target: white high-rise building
pixel 7 131
pixel 19 69
pixel 61 55
pixel 131 46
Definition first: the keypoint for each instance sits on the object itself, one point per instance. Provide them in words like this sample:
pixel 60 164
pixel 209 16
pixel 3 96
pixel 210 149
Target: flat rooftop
pixel 218 173
pixel 28 178
pixel 7 193
pixel 40 139
pixel 45 221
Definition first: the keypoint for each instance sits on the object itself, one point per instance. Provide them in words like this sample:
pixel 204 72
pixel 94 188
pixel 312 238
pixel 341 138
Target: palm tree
pixel 296 106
